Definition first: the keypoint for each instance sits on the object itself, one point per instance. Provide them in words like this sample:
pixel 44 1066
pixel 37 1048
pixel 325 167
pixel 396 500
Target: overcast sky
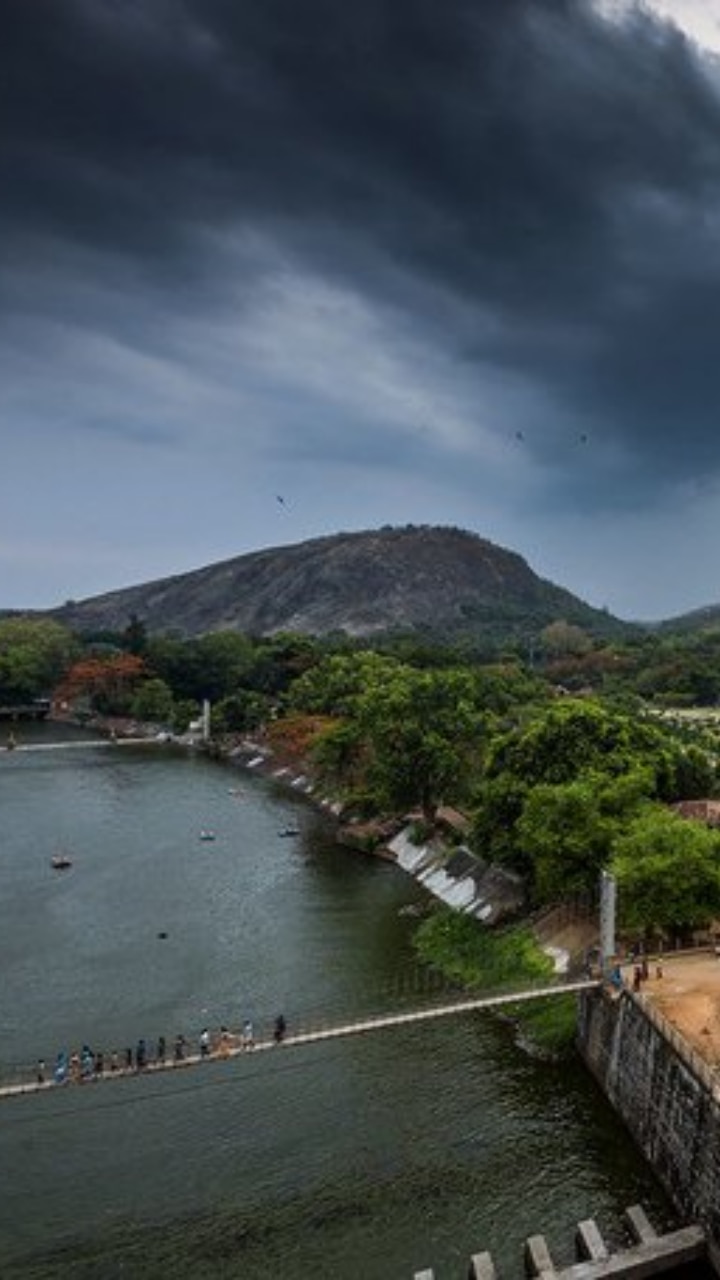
pixel 273 269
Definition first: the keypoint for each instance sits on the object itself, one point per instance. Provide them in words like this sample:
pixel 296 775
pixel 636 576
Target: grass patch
pixel 479 958
pixel 482 959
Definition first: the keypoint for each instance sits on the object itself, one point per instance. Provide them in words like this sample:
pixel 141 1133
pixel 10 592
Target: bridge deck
pixel 363 1026
pixel 83 744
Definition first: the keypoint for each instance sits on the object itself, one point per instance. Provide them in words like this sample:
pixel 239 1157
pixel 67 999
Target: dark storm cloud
pixel 524 161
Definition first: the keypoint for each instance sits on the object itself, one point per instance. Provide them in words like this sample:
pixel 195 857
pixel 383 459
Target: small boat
pixel 60 862
pixel 207 835
pixel 289 831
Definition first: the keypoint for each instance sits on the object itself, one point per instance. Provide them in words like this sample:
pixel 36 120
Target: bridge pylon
pixel 608 911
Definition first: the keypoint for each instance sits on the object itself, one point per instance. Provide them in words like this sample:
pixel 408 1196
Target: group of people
pixel 86 1064
pixel 640 971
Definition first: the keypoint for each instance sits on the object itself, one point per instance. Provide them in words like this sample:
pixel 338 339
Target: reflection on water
pixel 366 1159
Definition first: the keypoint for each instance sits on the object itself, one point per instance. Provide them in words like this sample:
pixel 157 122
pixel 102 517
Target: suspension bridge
pixel 19 748
pixel 27 1080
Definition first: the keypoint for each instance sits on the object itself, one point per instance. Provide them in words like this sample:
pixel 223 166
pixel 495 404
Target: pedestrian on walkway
pixel 280 1029
pixel 248 1035
pixel 60 1071
pixel 87 1063
pixel 179 1053
pixel 204 1043
pixel 160 1051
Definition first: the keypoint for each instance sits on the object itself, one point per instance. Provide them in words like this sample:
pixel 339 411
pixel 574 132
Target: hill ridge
pixel 436 579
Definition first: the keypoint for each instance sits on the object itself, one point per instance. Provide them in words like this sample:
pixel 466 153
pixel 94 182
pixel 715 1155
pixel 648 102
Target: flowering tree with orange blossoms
pixel 105 684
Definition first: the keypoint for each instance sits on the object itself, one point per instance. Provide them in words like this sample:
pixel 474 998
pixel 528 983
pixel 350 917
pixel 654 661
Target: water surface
pixel 367 1159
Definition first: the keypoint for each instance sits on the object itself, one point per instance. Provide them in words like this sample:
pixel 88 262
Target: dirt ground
pixel 688 994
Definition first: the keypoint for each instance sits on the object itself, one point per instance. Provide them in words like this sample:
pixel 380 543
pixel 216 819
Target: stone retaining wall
pixel 666 1094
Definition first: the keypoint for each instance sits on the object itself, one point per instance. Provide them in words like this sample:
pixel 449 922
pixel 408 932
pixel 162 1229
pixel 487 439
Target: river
pixel 364 1159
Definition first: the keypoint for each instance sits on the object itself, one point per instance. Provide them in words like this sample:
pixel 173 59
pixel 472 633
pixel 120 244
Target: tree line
pixel 560 777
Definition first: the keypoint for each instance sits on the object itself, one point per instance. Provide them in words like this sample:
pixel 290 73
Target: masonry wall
pixel 665 1093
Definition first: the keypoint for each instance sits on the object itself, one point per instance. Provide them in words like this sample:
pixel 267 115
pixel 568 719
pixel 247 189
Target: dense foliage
pixel 565 753
pixel 477 958
pixel 34 655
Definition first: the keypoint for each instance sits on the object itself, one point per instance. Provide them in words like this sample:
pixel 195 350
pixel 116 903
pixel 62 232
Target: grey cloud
pixel 525 161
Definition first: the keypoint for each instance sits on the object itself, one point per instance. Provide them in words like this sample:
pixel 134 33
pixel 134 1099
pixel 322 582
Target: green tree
pixel 668 872
pixel 498 804
pixel 239 712
pixel 569 738
pixel 212 666
pixel 185 711
pixel 563 639
pixel 557 784
pixel 224 660
pixel 576 736
pixel 566 832
pixel 281 660
pixel 421 728
pixel 153 702
pixel 34 656
pixel 334 686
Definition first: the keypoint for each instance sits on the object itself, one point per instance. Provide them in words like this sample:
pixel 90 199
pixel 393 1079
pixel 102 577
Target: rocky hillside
pixel 442 581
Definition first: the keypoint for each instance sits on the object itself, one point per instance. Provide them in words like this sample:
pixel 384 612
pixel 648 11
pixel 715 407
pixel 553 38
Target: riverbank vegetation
pixel 482 960
pixel 561 752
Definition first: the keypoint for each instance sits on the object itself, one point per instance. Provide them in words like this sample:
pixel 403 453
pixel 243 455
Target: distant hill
pixel 706 618
pixel 440 581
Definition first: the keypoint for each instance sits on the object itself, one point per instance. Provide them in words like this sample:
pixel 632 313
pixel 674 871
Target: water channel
pixel 363 1160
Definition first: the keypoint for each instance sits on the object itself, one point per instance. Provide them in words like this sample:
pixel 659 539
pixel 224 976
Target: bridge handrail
pixel 20 1078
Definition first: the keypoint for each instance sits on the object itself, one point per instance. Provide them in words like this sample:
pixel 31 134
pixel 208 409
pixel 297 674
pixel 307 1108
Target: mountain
pixel 706 618
pixel 440 581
